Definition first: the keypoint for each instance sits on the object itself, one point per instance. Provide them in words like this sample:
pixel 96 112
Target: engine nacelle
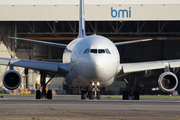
pixel 11 79
pixel 168 81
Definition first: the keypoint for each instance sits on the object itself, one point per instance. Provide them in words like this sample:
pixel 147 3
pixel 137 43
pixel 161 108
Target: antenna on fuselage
pixel 81 20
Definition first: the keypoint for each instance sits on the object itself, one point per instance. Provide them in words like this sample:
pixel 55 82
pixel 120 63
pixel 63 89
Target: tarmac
pixel 68 107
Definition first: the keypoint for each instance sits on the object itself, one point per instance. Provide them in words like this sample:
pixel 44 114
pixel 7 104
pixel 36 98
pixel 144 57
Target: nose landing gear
pixel 94 93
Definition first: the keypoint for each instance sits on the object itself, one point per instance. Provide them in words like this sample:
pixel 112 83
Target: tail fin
pixel 81 20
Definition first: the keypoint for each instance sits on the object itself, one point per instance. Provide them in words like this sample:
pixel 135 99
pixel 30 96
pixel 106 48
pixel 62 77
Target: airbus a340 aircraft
pixel 91 61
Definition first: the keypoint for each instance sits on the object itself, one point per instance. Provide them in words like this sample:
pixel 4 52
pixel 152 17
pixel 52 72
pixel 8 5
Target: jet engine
pixel 168 81
pixel 11 79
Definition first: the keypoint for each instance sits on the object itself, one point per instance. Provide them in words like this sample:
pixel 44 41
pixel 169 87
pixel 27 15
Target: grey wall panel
pixel 95 12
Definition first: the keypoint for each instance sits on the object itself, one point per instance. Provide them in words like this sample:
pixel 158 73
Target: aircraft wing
pixel 52 67
pixel 143 66
pixel 41 42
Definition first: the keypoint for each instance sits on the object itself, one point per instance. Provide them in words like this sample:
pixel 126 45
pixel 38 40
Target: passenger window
pixel 93 51
pixel 101 51
pixel 86 51
pixel 107 51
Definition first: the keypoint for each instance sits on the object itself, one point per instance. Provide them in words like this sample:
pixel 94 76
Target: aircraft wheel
pixel 49 94
pixel 38 94
pixel 136 95
pixel 83 95
pixel 91 95
pixel 125 95
pixel 98 95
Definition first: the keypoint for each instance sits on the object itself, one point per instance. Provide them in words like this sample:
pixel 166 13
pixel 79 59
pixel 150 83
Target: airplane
pixel 91 61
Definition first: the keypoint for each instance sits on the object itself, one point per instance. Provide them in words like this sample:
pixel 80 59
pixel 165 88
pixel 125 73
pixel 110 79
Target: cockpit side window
pixel 101 51
pixel 86 51
pixel 107 51
pixel 93 51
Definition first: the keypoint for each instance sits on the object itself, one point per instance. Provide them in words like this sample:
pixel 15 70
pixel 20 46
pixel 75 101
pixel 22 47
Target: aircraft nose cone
pixel 103 67
pixel 98 63
pixel 99 68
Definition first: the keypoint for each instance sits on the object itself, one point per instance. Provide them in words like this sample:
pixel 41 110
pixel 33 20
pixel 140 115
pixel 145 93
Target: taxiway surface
pixel 71 107
pixel 73 102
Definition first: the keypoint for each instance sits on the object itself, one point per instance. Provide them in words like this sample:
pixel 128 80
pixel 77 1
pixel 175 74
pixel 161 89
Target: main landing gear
pixel 44 94
pixel 133 93
pixel 94 93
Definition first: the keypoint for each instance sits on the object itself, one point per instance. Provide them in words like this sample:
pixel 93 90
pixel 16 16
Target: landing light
pixel 95 83
pixel 98 83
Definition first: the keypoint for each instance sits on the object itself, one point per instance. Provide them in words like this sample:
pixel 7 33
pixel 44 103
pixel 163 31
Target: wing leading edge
pixel 52 67
pixel 144 66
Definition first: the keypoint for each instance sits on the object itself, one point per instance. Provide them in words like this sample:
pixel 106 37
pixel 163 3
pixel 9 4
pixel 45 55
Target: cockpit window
pixel 101 51
pixel 86 51
pixel 107 51
pixel 93 51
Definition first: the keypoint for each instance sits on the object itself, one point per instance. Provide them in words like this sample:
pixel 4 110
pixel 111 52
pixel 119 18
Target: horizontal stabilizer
pixel 134 41
pixel 41 42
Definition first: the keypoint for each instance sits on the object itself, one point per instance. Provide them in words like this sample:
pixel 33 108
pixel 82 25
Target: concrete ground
pixel 70 107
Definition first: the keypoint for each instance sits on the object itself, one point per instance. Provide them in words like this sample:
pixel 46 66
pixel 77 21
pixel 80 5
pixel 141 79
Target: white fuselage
pixel 94 58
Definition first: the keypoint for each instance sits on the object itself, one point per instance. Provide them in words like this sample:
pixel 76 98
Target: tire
pixel 83 95
pixel 125 95
pixel 136 95
pixel 38 94
pixel 91 95
pixel 49 94
pixel 98 95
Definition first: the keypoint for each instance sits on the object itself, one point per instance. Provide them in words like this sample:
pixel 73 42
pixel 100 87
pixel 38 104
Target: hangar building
pixel 119 20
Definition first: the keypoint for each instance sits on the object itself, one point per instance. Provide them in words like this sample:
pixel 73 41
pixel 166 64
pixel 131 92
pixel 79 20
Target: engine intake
pixel 11 79
pixel 168 81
